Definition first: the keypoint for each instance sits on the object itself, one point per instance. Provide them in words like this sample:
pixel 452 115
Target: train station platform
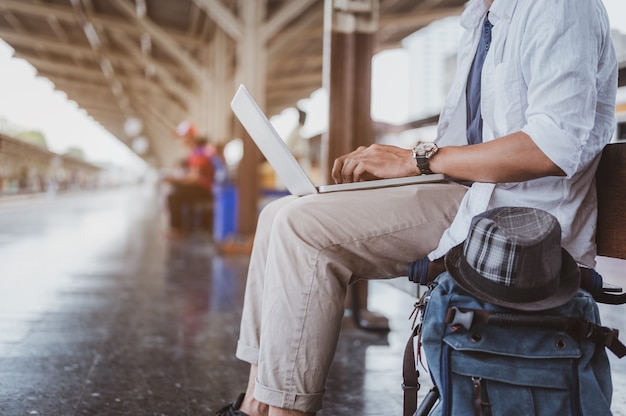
pixel 102 315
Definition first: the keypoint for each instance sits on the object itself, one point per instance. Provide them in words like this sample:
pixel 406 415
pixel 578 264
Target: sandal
pixel 232 409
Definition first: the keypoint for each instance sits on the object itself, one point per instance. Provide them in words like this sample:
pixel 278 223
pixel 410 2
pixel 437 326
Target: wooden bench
pixel 611 184
pixel 611 226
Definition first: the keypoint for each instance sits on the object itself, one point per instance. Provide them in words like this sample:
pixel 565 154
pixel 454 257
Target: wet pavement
pixel 101 315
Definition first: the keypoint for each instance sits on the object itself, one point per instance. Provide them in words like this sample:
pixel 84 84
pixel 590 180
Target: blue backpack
pixel 492 361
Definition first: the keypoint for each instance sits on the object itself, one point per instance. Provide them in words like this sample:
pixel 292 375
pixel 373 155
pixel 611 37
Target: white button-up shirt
pixel 550 72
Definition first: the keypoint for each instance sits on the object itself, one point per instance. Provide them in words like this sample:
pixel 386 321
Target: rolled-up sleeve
pixel 563 85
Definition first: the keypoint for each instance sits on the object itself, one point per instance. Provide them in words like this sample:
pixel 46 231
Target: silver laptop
pixel 283 161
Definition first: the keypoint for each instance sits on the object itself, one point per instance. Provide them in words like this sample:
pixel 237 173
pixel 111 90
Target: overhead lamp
pixel 133 126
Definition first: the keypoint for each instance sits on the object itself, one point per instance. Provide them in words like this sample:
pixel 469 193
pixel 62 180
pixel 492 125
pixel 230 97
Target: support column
pixel 252 70
pixel 200 112
pixel 221 128
pixel 349 32
pixel 204 115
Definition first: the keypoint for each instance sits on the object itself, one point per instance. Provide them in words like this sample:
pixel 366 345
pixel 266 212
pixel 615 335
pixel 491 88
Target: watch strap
pixel 422 152
pixel 424 165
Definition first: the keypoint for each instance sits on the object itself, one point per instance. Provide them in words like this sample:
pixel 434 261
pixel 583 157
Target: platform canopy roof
pixel 144 60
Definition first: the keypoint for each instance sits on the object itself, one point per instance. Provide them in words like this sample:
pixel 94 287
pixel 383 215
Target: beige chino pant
pixel 306 252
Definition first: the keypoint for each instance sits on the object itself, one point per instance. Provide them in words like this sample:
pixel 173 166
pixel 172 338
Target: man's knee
pixel 268 213
pixel 303 220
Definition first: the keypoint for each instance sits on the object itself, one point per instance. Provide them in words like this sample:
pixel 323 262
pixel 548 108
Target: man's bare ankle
pixel 253 407
pixel 276 411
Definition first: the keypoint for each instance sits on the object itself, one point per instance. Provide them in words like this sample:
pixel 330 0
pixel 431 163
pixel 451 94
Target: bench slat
pixel 611 185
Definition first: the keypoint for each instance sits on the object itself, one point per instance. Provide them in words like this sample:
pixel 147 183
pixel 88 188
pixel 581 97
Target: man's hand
pixel 374 162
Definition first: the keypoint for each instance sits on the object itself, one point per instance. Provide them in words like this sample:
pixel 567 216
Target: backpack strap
pixel 601 335
pixel 410 375
pixel 411 385
pixel 610 298
pixel 410 372
pixel 602 292
pixel 578 328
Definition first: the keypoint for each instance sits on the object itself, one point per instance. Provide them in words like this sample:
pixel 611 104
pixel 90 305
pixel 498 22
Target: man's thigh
pixel 373 232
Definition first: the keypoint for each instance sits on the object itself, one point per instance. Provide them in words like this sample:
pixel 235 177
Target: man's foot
pixel 371 321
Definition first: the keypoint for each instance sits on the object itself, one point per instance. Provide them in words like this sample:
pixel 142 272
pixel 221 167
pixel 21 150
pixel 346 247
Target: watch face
pixel 425 148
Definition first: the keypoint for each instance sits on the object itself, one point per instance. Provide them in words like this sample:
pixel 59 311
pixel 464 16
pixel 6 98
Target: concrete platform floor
pixel 101 315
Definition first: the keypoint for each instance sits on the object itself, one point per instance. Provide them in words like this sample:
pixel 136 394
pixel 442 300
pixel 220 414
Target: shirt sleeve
pixel 561 58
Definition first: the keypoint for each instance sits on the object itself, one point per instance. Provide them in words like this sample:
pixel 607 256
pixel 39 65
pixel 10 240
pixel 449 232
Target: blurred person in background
pixel 194 186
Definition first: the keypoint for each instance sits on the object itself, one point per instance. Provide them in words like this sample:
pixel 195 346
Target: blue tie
pixel 474 116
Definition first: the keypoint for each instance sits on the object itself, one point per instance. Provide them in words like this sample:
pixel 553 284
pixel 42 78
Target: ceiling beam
pixel 283 43
pixel 94 106
pixel 428 4
pixel 290 11
pixel 303 78
pixel 9 16
pixel 194 19
pixel 72 89
pixel 56 27
pixel 83 18
pixel 167 43
pixel 66 68
pixel 169 83
pixel 67 77
pixel 97 112
pixel 416 20
pixel 58 46
pixel 311 61
pixel 223 17
pixel 66 14
pixel 287 96
pixel 76 51
pixel 163 119
pixel 160 127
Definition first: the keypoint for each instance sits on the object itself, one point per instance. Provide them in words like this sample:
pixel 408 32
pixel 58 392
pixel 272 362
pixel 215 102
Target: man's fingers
pixel 342 173
pixel 337 169
pixel 365 163
pixel 347 170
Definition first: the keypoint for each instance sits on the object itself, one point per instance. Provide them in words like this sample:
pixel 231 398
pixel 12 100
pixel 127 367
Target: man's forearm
pixel 512 158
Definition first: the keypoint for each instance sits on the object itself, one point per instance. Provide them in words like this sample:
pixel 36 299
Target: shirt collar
pixel 499 10
pixel 474 13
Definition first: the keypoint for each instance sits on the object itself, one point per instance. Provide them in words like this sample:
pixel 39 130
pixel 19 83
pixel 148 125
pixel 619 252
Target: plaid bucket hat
pixel 512 257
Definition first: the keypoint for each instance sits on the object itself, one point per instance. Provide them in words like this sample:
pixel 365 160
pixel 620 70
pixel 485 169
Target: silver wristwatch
pixel 422 152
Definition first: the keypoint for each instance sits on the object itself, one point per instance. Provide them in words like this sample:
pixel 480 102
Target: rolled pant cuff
pixel 247 353
pixel 301 402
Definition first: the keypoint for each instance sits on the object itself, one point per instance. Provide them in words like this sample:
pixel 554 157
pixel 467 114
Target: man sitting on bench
pixel 526 127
